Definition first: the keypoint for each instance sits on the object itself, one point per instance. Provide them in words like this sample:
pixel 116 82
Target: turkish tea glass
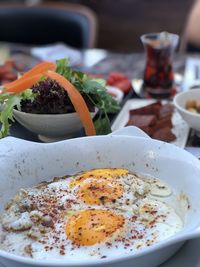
pixel 158 73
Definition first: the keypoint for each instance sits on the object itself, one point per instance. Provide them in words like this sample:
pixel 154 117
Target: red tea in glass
pixel 158 73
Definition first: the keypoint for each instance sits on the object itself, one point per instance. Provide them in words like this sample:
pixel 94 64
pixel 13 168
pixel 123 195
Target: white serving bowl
pixel 115 92
pixel 51 127
pixel 192 119
pixel 24 164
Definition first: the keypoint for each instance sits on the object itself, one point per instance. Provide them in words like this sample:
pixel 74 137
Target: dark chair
pixel 71 24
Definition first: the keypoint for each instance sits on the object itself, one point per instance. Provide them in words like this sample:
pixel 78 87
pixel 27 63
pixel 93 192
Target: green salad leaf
pixel 7 113
pixel 92 88
pixel 9 102
pixel 95 90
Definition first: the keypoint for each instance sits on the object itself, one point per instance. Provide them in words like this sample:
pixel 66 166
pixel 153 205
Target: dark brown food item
pixel 142 120
pixel 155 120
pixel 164 134
pixel 166 110
pixel 147 129
pixel 162 123
pixel 147 110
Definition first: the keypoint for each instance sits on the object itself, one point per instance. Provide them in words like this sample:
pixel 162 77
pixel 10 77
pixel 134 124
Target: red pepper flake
pixel 108 244
pixel 62 252
pixel 103 257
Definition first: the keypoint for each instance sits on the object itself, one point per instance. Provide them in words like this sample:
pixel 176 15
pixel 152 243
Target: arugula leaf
pixel 95 90
pixel 9 101
pixel 102 100
pixel 102 125
pixel 7 113
pixel 102 82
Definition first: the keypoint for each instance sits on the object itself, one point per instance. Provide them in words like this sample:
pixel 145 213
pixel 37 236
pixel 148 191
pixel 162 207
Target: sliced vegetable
pixel 119 80
pixel 22 84
pixel 77 101
pixel 38 69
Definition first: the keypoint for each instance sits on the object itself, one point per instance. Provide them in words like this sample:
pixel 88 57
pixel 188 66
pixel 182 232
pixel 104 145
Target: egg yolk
pixel 89 227
pixel 100 192
pixel 98 174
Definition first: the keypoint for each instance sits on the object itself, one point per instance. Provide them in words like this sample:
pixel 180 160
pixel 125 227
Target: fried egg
pixel 92 214
pixel 90 227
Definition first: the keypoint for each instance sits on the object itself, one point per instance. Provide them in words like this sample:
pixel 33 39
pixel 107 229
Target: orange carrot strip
pixel 40 68
pixel 23 84
pixel 77 101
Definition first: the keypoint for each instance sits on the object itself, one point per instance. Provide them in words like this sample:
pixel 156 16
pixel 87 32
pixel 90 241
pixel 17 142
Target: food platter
pixel 180 128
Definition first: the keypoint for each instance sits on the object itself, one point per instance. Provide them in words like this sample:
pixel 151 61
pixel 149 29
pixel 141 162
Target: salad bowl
pixel 51 127
pixel 24 164
pixel 56 101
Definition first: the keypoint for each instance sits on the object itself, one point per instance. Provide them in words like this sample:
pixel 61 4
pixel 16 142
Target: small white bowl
pixel 115 92
pixel 51 127
pixel 192 119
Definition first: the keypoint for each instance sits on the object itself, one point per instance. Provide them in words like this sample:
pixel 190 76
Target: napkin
pixel 57 51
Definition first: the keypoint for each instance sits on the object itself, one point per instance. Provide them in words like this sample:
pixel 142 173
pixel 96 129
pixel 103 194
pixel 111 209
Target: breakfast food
pixel 155 119
pixel 92 214
pixel 56 88
pixel 193 105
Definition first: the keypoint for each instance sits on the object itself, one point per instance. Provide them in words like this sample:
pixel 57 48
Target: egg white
pixel 142 228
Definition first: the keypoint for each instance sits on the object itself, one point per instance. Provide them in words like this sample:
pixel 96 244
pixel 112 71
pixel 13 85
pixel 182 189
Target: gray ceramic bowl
pixel 51 127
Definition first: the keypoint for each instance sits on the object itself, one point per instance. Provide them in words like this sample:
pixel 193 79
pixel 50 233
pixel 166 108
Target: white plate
pixel 180 128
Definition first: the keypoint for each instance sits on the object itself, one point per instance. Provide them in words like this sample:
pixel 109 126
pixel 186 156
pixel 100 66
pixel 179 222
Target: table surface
pixel 103 62
pixel 99 61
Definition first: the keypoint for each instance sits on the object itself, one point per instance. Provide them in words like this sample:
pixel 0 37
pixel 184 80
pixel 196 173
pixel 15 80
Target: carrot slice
pixel 77 101
pixel 22 84
pixel 38 69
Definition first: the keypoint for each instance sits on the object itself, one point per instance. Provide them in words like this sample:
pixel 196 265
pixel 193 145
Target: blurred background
pixel 121 22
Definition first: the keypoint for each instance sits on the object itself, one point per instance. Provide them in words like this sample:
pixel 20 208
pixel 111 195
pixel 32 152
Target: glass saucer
pixel 138 88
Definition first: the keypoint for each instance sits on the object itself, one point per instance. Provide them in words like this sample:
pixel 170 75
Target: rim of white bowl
pixel 175 239
pixel 47 115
